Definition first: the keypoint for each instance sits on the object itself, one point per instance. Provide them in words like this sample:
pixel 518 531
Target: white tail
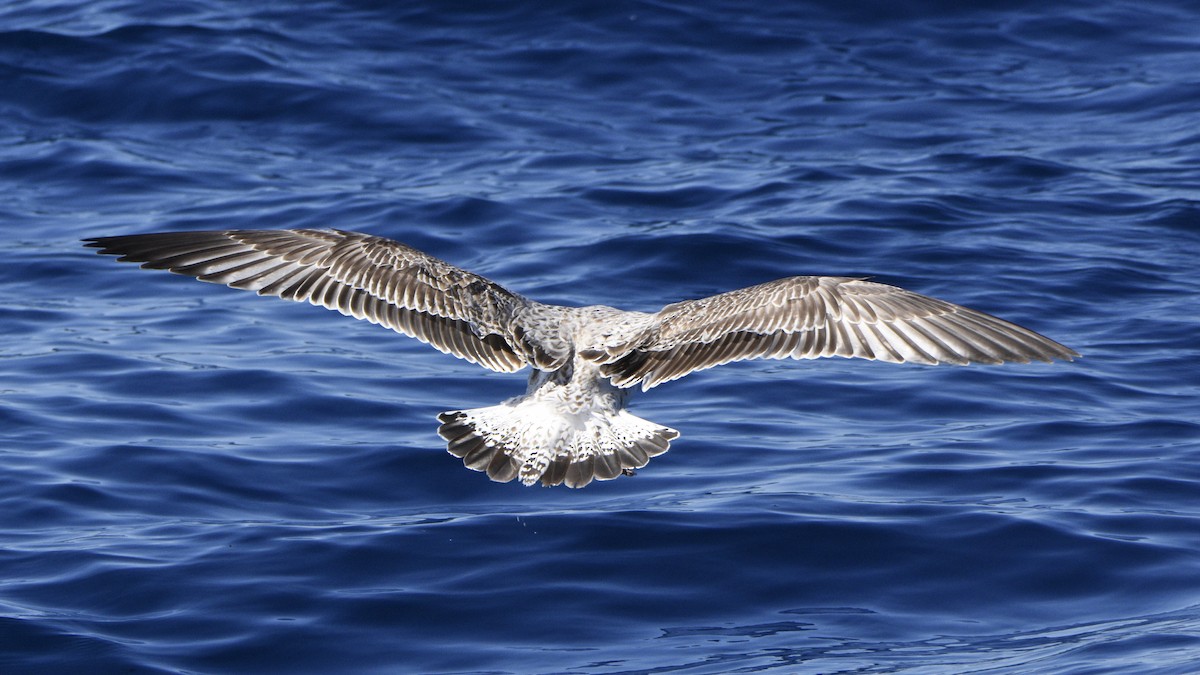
pixel 534 440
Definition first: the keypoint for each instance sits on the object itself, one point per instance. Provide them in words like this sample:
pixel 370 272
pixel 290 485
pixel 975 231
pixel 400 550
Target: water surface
pixel 198 480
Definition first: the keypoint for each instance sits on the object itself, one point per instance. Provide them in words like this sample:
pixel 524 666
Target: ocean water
pixel 194 479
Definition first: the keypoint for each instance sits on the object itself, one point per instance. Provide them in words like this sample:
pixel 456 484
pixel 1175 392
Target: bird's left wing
pixel 812 317
pixel 363 276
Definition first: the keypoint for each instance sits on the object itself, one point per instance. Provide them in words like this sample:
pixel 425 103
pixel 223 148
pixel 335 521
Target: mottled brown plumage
pixel 571 426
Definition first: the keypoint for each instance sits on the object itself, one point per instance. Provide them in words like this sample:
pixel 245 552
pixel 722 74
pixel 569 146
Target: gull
pixel 571 425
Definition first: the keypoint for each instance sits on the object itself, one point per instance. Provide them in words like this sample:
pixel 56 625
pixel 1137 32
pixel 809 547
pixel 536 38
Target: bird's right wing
pixel 367 277
pixel 812 317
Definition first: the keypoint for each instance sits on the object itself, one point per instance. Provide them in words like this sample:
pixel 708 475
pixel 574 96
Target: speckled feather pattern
pixel 571 426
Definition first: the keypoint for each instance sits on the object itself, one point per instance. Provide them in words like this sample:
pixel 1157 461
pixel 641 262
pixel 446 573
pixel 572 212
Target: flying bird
pixel 571 425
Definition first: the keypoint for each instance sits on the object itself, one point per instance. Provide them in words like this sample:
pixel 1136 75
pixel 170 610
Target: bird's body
pixel 571 426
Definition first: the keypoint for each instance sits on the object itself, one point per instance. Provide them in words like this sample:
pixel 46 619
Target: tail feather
pixel 536 442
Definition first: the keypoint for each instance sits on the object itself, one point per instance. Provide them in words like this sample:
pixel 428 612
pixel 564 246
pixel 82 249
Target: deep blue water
pixel 194 479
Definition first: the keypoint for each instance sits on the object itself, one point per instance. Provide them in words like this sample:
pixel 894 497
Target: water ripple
pixel 194 479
